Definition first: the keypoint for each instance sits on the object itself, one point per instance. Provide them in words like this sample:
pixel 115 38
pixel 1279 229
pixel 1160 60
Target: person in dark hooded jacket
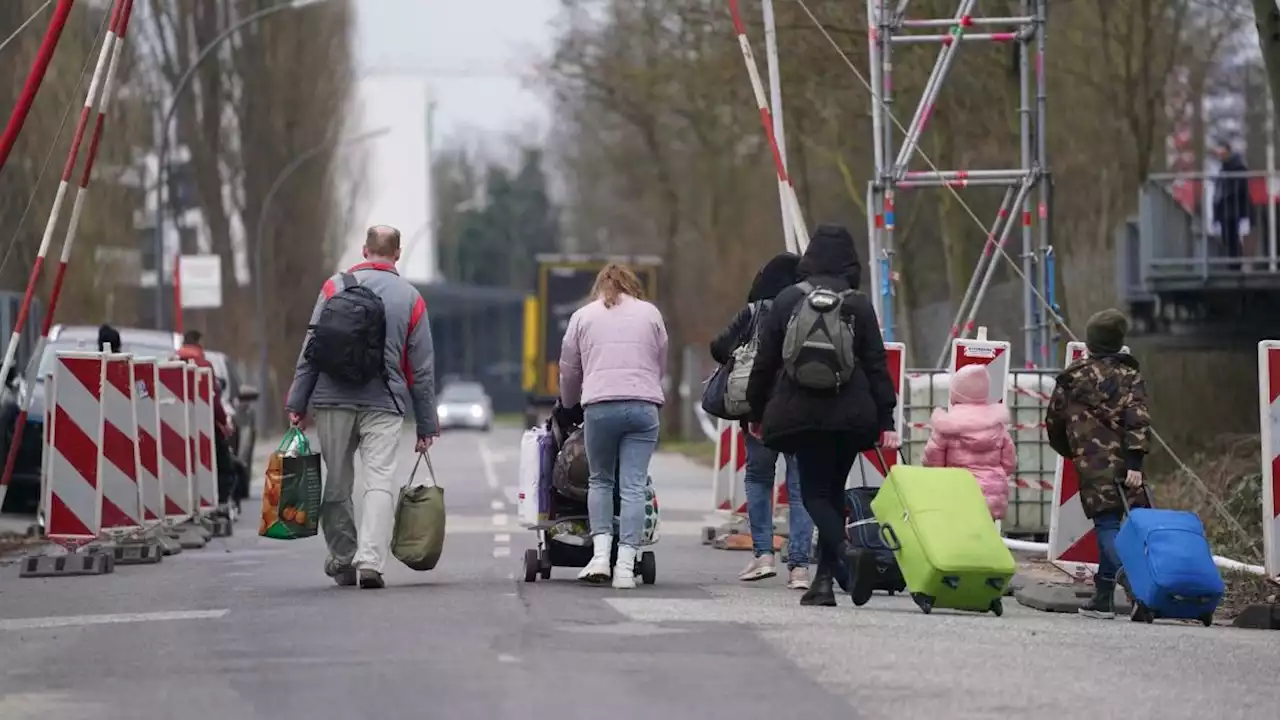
pixel 825 430
pixel 777 275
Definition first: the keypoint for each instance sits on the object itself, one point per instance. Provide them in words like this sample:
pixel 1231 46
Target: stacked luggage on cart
pixel 552 500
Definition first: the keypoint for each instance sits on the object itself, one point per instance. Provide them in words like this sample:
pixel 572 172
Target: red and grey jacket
pixel 408 353
pixel 194 354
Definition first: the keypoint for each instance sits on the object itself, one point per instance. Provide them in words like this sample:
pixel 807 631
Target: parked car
pixel 24 486
pixel 237 400
pixel 464 405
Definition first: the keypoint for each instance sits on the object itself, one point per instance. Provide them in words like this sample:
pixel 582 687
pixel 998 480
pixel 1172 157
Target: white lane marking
pixel 78 620
pixel 498 505
pixel 487 461
pixel 501 551
pixel 500 519
pixel 508 659
pixel 502 538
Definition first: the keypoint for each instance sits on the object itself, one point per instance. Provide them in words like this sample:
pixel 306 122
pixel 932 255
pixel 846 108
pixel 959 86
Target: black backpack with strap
pixel 348 338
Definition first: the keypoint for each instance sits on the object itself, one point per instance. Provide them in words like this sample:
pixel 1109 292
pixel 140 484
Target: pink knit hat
pixel 971 385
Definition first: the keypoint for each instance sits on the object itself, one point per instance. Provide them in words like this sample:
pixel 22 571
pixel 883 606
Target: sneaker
pixel 1098 608
pixel 371 580
pixel 624 572
pixel 799 579
pixel 758 569
pixel 597 570
pixel 344 576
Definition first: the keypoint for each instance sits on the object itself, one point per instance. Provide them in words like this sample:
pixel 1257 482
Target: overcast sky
pixel 473 57
pixel 472 53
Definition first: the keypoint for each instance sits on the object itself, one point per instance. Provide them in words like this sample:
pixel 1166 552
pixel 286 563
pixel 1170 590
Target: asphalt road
pixel 249 629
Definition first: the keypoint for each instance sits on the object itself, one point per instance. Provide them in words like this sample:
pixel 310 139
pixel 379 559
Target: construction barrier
pixel 1072 545
pixel 128 446
pixel 202 429
pixel 1269 422
pixel 175 446
pixel 727 468
pixel 145 382
pixel 868 471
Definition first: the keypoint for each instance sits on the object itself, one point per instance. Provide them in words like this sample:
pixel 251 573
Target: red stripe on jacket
pixel 415 317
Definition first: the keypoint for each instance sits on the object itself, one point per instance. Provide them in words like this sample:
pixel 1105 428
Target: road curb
pixel 1260 616
pixel 1063 598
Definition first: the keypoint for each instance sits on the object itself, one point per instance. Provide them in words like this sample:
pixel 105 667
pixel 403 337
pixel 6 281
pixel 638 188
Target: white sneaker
pixel 624 573
pixel 799 579
pixel 758 569
pixel 597 571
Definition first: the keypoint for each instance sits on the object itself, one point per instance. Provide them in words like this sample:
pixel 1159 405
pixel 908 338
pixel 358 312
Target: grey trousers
pixel 376 435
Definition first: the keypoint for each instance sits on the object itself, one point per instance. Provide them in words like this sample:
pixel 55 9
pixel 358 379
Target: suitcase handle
pixel 890 538
pixel 1124 493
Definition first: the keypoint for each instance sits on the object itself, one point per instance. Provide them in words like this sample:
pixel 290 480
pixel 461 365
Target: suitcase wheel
pixel 531 565
pixel 997 607
pixel 1141 613
pixel 648 568
pixel 1207 619
pixel 925 602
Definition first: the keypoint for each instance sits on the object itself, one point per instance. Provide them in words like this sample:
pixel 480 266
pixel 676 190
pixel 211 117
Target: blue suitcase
pixel 1168 566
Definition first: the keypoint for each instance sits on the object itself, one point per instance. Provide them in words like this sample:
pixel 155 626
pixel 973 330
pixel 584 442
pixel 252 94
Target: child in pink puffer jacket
pixel 974 435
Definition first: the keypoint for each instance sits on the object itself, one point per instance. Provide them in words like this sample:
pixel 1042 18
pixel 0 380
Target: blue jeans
pixel 1105 527
pixel 620 438
pixel 761 465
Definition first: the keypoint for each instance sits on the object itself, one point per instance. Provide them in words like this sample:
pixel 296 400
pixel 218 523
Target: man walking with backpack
pixel 820 388
pixel 367 357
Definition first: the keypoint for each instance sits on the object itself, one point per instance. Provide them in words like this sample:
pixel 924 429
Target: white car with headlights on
pixel 464 405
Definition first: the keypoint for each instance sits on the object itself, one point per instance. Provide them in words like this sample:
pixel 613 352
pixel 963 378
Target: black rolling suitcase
pixel 863 531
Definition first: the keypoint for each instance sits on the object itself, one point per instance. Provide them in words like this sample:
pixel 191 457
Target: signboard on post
pixel 201 281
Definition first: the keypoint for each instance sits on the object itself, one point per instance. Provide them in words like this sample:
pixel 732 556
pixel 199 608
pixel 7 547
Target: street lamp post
pixel 259 286
pixel 162 157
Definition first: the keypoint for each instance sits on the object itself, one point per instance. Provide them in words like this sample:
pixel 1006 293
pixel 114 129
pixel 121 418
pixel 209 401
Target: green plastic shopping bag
pixel 418 538
pixel 291 493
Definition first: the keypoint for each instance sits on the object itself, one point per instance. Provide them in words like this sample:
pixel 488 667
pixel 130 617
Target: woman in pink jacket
pixel 612 360
pixel 974 435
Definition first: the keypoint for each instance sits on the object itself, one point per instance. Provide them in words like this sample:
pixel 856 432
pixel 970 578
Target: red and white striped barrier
pixel 71 493
pixel 118 459
pixel 145 382
pixel 727 471
pixel 868 470
pixel 175 446
pixel 1072 545
pixel 992 354
pixel 201 427
pixel 1269 421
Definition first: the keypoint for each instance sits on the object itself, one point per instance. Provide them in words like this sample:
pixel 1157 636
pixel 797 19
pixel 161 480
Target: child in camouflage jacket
pixel 1098 420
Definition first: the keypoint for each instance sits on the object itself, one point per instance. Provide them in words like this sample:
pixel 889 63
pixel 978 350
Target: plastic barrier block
pixel 40 566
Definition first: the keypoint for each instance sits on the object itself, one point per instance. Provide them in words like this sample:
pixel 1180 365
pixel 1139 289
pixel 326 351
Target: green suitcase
pixel 937 523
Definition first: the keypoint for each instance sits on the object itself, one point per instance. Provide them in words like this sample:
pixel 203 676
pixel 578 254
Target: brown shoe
pixel 371 580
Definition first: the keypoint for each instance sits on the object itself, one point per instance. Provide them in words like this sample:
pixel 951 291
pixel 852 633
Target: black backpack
pixel 348 338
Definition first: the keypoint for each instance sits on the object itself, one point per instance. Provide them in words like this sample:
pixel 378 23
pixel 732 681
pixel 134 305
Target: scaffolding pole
pixel 1026 185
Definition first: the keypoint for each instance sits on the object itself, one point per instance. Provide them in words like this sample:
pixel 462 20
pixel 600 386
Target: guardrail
pixel 1205 226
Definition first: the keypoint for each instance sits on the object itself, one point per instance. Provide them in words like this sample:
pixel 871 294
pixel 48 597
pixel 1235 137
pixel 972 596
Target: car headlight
pixel 442 411
pixel 477 411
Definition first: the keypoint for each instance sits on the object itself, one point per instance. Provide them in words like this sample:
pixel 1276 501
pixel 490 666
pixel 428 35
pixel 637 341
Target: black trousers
pixel 227 475
pixel 825 462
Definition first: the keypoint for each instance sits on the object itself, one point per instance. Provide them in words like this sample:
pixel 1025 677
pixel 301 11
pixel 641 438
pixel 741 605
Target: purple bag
pixel 546 463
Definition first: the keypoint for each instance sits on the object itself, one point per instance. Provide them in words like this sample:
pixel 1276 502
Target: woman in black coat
pixel 825 430
pixel 762 462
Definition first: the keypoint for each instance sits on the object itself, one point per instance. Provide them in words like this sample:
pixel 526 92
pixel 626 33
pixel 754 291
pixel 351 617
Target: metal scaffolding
pixel 887 27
